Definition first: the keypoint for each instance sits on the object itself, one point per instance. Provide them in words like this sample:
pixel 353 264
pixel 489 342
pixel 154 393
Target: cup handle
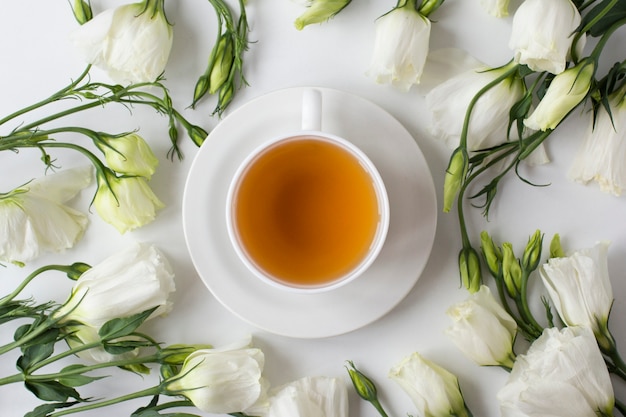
pixel 312 110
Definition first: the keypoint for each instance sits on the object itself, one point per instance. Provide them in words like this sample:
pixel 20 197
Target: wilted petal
pixel 603 152
pixel 33 218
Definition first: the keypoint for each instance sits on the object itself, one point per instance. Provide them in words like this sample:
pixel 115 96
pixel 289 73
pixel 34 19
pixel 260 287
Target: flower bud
pixel 565 92
pixel 491 253
pixel 362 384
pixel 128 154
pixel 320 11
pixel 82 11
pixel 556 251
pixel 532 253
pixel 197 134
pixel 222 63
pixel 455 175
pixel 77 269
pixel 201 88
pixel 469 267
pixel 512 271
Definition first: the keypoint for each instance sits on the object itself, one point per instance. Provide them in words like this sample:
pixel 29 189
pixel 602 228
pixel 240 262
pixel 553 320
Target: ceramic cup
pixel 307 211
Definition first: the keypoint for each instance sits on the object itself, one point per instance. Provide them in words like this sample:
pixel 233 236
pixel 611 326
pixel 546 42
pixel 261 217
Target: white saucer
pixel 409 241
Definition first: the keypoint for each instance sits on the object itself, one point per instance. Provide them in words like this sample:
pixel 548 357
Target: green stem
pixel 54 97
pixel 589 25
pixel 11 379
pixel 30 277
pixel 143 393
pixel 29 336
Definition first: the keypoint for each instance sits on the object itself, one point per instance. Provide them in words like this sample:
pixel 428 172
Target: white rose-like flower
pixel 400 48
pixel 221 381
pixel 34 218
pixel 483 330
pixel 125 202
pixel 129 154
pixel 310 397
pixel 124 284
pixel 566 91
pixel 497 8
pixel 131 43
pixel 580 288
pixel 562 374
pixel 449 101
pixel 603 152
pixel 542 34
pixel 434 390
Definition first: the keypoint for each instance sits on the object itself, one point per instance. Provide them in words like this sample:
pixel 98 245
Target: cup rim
pixel 378 239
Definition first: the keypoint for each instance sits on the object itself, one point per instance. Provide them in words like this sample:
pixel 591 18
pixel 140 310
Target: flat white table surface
pixel 37 59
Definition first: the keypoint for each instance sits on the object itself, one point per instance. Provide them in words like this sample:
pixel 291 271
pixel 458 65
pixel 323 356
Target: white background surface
pixel 36 59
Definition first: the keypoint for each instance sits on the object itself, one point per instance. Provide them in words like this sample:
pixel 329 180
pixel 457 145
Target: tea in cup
pixel 307 211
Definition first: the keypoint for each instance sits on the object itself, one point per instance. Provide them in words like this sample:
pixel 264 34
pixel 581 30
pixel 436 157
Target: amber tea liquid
pixel 305 211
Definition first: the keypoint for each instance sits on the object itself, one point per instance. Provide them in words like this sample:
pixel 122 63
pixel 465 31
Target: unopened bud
pixel 511 270
pixel 532 253
pixel 556 250
pixel 455 175
pixel 469 268
pixel 491 253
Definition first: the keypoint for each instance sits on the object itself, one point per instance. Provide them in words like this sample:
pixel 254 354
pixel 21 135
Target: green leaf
pixel 34 354
pixel 122 346
pixel 76 380
pixel 52 391
pixel 617 13
pixel 120 327
pixel 45 410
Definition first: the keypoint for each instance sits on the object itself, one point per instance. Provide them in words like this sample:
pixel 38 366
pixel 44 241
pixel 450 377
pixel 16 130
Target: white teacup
pixel 307 211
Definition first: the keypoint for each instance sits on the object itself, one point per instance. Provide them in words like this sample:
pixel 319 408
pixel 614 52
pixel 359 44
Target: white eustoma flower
pixel 129 155
pixel 434 390
pixel 497 8
pixel 34 218
pixel 580 288
pixel 566 91
pixel 319 11
pixel 562 374
pixel 449 101
pixel 125 202
pixel 400 47
pixel 221 381
pixel 124 284
pixel 482 329
pixel 309 397
pixel 131 43
pixel 603 152
pixel 542 34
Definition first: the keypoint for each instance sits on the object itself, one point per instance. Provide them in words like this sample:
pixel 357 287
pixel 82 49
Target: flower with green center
pixel 131 43
pixel 129 155
pixel 221 381
pixel 34 218
pixel 562 374
pixel 125 202
pixel 401 46
pixel 483 330
pixel 566 91
pixel 434 390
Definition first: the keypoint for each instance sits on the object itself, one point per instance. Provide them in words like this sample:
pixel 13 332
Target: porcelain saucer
pixel 397 268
